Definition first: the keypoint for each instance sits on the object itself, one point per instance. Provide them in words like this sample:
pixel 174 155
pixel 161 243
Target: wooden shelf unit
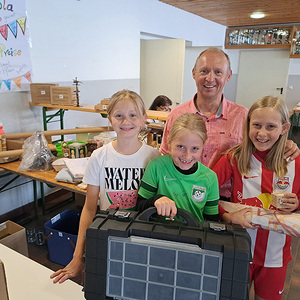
pixel 295 46
pixel 259 37
pixel 151 114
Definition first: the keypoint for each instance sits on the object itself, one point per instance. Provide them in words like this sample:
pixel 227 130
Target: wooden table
pixel 296 109
pixel 58 116
pixel 160 127
pixel 86 108
pixel 151 114
pixel 47 177
pixel 29 280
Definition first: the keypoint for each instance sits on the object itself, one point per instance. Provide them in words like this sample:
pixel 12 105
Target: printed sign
pixel 15 63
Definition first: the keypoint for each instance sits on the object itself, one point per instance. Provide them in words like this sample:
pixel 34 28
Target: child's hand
pixel 238 217
pixel 166 207
pixel 72 270
pixel 290 200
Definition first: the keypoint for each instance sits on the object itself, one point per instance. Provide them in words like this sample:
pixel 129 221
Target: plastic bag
pixel 37 155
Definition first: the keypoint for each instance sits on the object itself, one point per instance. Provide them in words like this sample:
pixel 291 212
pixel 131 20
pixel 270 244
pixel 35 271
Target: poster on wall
pixel 15 62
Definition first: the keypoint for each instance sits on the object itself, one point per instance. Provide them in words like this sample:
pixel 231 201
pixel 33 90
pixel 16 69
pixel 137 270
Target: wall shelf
pixel 295 47
pixel 259 37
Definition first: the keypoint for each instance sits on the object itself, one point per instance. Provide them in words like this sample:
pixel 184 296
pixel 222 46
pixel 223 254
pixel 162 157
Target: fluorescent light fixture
pixel 257 15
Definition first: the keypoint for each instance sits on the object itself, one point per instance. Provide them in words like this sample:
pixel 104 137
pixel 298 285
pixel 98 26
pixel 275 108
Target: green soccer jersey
pixel 197 193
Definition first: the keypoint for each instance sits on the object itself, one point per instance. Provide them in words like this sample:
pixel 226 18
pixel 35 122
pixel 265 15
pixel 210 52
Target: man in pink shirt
pixel 224 119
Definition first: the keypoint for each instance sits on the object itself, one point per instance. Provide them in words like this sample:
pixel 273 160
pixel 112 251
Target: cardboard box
pixel 3 283
pixel 13 236
pixel 103 105
pixel 40 92
pixel 63 95
pixel 105 101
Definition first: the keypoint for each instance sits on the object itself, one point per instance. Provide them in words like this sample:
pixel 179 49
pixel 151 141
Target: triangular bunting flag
pixel 17 81
pixel 3 31
pixel 22 23
pixel 7 83
pixel 13 27
pixel 28 76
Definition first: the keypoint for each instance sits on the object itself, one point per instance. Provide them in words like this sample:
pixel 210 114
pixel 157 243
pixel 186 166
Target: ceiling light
pixel 257 15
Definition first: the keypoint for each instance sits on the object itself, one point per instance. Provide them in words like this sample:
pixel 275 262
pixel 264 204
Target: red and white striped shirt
pixel 269 248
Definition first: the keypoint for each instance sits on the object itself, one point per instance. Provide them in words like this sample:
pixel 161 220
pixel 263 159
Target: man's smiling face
pixel 210 73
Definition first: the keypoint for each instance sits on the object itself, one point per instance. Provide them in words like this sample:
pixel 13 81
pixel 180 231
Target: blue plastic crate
pixel 62 232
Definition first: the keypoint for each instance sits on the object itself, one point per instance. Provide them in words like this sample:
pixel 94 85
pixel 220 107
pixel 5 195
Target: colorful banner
pixel 15 63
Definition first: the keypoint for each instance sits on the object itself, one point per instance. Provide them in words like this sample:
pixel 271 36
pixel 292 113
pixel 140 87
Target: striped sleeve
pixel 148 187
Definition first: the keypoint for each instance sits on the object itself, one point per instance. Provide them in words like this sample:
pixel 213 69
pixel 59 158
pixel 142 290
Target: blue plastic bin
pixel 61 232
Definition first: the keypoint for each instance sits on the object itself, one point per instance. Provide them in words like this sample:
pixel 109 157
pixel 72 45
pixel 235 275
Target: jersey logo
pixel 249 177
pixel 282 183
pixel 198 193
pixel 168 179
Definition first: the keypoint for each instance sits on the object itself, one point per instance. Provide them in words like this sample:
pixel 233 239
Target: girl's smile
pixel 186 149
pixel 125 119
pixel 265 128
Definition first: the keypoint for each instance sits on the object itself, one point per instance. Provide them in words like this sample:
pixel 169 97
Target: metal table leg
pixel 35 198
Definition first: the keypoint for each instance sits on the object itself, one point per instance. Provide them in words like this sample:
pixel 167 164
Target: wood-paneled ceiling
pixel 236 13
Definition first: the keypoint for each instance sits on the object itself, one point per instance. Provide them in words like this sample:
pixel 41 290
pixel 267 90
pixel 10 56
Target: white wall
pixel 100 39
pixel 99 42
pixel 292 88
pixel 294 66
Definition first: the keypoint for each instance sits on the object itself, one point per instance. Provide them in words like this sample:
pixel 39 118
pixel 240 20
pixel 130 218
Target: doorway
pixel 162 68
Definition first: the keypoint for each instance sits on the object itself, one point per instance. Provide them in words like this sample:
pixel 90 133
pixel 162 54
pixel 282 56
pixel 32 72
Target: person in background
pixel 258 169
pixel 179 180
pixel 161 103
pixel 114 170
pixel 224 119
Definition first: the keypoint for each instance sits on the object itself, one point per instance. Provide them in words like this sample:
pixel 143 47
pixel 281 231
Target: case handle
pixel 187 216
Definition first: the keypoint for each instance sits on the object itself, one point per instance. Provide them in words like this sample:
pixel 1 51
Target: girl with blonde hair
pixel 257 168
pixel 114 171
pixel 179 180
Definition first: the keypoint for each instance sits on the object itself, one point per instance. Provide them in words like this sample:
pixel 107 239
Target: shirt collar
pixel 219 111
pixel 262 154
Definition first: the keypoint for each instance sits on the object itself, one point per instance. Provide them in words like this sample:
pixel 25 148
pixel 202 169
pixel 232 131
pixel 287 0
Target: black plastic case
pixel 134 256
